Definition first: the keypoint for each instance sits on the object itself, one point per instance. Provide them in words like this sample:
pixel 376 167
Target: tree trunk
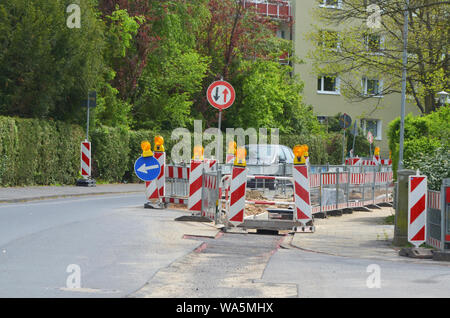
pixel 430 104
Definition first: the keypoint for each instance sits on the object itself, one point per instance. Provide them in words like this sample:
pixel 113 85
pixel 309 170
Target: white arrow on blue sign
pixel 147 168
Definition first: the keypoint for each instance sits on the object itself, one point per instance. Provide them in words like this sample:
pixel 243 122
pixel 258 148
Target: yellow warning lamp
pixel 390 154
pixel 241 153
pixel 231 147
pixel 299 153
pixel 377 151
pixel 198 153
pixel 159 144
pixel 146 149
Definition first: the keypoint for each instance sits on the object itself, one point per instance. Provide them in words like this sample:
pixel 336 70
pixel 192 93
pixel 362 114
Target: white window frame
pixel 364 87
pixel 324 4
pixel 379 135
pixel 338 86
pixel 338 42
pixel 381 48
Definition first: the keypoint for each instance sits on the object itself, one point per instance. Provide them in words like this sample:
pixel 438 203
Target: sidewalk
pixel 357 235
pixel 20 194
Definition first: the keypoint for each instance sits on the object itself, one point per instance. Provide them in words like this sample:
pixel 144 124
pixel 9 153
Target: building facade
pixel 323 93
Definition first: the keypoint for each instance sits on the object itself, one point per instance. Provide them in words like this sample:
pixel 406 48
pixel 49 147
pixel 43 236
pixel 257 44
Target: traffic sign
pixel 147 168
pixel 417 209
pixel 221 95
pixel 345 121
pixel 370 137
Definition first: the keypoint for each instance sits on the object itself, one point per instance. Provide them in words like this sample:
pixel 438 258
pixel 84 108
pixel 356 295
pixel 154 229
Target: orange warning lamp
pixel 198 153
pixel 299 153
pixel 241 153
pixel 390 154
pixel 159 144
pixel 377 151
pixel 146 149
pixel 231 147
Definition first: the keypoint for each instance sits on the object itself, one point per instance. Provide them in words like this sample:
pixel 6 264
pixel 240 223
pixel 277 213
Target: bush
pixel 423 136
pixel 39 152
pixel 435 165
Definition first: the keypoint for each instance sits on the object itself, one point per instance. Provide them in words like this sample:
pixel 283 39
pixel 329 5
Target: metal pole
pixel 87 125
pixel 219 133
pixel 343 148
pixel 405 64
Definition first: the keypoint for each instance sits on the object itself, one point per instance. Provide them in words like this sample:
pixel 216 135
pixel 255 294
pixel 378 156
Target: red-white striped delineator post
pixel 302 194
pixel 151 190
pixel 210 165
pixel 237 200
pixel 417 210
pixel 161 180
pixel 195 186
pixel 86 159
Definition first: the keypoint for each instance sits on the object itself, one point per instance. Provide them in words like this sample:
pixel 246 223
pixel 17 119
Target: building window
pixel 329 40
pixel 330 3
pixel 328 85
pixel 373 43
pixel 372 87
pixel 372 125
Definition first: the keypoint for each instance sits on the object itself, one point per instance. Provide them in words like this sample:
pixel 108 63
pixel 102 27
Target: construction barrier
pixel 438 217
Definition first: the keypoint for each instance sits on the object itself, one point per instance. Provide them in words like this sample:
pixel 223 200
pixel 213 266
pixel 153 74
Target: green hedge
pixel 43 152
pixel 38 152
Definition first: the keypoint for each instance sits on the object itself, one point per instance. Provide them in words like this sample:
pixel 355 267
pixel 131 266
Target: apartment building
pixel 323 92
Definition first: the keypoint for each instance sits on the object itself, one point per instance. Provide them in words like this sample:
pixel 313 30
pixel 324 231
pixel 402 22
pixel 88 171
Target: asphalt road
pixel 123 250
pixel 116 244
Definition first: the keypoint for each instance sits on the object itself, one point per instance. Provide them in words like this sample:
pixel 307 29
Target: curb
pixel 61 196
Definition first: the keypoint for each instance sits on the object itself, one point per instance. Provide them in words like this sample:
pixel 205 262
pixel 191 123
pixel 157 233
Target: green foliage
pixel 435 165
pixel 45 67
pixel 423 135
pixel 38 152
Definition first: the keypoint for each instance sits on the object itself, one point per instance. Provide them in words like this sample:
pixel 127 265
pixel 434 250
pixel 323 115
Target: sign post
pixel 345 121
pixel 86 161
pixel 370 140
pixel 220 95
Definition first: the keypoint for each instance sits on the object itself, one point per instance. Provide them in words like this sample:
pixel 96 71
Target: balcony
pixel 276 9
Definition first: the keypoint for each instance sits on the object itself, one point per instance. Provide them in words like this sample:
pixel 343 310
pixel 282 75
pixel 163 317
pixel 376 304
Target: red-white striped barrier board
pixel 195 186
pixel 151 190
pixel 314 180
pixel 417 209
pixel 316 209
pixel 237 199
pixel 302 194
pixel 435 243
pixel 343 177
pixel 434 200
pixel 357 178
pixel 328 178
pixel 353 161
pixel 229 159
pixel 176 172
pixel 210 184
pixel 210 165
pixel 175 200
pixel 376 160
pixel 386 162
pixel 355 204
pixel 269 203
pixel 86 162
pixel 161 180
pixel 369 177
pixel 368 163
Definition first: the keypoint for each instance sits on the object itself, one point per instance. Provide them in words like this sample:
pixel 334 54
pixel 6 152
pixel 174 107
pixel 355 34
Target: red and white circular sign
pixel 221 95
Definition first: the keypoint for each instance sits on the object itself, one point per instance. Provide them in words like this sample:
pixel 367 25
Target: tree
pixel 361 50
pixel 47 68
pixel 233 34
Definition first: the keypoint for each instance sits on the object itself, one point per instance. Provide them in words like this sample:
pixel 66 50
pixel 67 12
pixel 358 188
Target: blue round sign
pixel 147 168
